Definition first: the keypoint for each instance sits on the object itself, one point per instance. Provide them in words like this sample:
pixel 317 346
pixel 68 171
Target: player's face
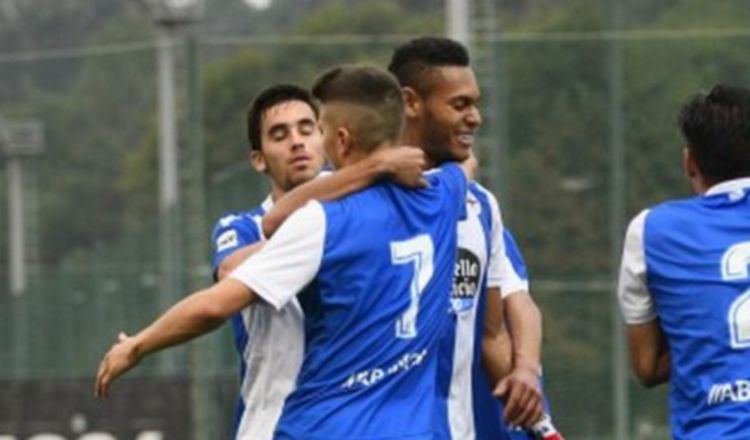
pixel 291 143
pixel 451 114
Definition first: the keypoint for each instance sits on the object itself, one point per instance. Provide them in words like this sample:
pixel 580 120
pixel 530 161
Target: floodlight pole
pixel 16 247
pixel 458 18
pixel 169 196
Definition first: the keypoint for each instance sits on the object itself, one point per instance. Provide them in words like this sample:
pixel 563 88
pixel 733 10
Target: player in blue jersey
pixel 376 267
pixel 286 145
pixel 442 115
pixel 684 283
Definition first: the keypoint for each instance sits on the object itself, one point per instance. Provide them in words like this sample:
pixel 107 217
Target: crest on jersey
pixel 465 281
pixel 226 240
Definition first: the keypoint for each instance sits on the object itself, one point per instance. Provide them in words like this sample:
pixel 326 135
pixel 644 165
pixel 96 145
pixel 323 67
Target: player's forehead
pixel 287 113
pixel 448 82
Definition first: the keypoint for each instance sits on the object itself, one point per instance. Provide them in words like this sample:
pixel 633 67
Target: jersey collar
pixel 267 203
pixel 729 186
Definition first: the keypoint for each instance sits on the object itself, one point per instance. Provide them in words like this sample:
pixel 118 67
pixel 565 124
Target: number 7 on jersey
pixel 417 251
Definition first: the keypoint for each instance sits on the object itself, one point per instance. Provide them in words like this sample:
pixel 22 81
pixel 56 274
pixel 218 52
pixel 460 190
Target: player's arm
pixel 233 260
pixel 496 343
pixel 193 316
pixel 520 388
pixel 285 265
pixel 403 164
pixel 525 324
pixel 649 353
pixel 649 350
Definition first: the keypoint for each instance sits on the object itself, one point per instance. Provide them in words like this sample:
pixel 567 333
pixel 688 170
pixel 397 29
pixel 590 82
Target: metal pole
pixel 203 404
pixel 169 239
pixel 617 226
pixel 168 189
pixel 458 13
pixel 16 248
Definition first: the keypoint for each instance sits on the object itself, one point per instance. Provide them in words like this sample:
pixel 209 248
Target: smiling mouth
pixel 466 140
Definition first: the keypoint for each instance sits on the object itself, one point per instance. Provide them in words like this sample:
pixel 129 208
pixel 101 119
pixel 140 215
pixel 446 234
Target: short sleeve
pixel 289 260
pixel 497 246
pixel 635 300
pixel 232 232
pixel 514 276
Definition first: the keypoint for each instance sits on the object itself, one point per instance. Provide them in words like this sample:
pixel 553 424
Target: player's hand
pixel 522 396
pixel 404 165
pixel 120 358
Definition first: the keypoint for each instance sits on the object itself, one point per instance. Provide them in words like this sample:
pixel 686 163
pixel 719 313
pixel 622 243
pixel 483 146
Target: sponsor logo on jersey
pixel 374 375
pixel 226 240
pixel 737 392
pixel 465 280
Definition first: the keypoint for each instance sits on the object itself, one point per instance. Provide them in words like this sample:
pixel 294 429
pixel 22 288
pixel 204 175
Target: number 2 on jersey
pixel 417 251
pixel 734 267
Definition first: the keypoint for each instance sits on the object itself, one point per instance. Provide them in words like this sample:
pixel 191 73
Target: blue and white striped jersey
pixel 685 262
pixel 487 257
pixel 270 343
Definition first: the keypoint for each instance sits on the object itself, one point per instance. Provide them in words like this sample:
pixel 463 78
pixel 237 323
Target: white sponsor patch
pixel 737 391
pixel 226 240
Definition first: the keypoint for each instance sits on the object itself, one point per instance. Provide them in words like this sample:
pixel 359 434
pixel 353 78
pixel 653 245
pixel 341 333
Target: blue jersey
pixel 487 256
pixel 270 343
pixel 378 265
pixel 686 262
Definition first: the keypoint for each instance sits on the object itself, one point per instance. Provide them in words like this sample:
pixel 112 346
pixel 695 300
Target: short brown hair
pixel 375 109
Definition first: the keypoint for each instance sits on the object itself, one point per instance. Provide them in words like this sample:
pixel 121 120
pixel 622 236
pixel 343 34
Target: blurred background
pixel 123 141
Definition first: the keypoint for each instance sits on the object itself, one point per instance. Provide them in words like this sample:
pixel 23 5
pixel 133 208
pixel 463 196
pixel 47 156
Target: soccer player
pixel 684 284
pixel 376 269
pixel 442 114
pixel 286 145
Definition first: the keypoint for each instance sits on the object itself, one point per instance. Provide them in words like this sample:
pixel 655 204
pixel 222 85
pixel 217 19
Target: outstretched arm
pixel 195 315
pixel 402 164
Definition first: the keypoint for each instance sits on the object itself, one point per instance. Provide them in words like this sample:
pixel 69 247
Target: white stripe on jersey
pixel 471 238
pixel 273 356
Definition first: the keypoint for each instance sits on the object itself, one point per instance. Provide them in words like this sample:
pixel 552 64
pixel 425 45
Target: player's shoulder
pixel 445 170
pixel 234 219
pixel 481 192
pixel 672 212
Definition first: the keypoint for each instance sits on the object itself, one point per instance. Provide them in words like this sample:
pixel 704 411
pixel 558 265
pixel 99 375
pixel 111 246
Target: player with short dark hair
pixel 286 145
pixel 376 269
pixel 684 282
pixel 442 97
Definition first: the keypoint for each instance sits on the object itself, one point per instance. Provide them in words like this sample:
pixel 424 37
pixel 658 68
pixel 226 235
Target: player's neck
pixel 277 192
pixel 413 138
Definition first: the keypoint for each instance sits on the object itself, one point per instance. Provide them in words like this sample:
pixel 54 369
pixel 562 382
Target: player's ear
pixel 343 142
pixel 412 102
pixel 689 167
pixel 258 161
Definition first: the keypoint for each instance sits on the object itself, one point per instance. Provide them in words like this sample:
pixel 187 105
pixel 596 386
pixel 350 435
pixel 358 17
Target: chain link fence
pixel 548 146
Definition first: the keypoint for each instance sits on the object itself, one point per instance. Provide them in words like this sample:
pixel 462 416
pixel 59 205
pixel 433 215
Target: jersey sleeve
pixel 289 260
pixel 635 300
pixel 514 276
pixel 230 233
pixel 497 245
